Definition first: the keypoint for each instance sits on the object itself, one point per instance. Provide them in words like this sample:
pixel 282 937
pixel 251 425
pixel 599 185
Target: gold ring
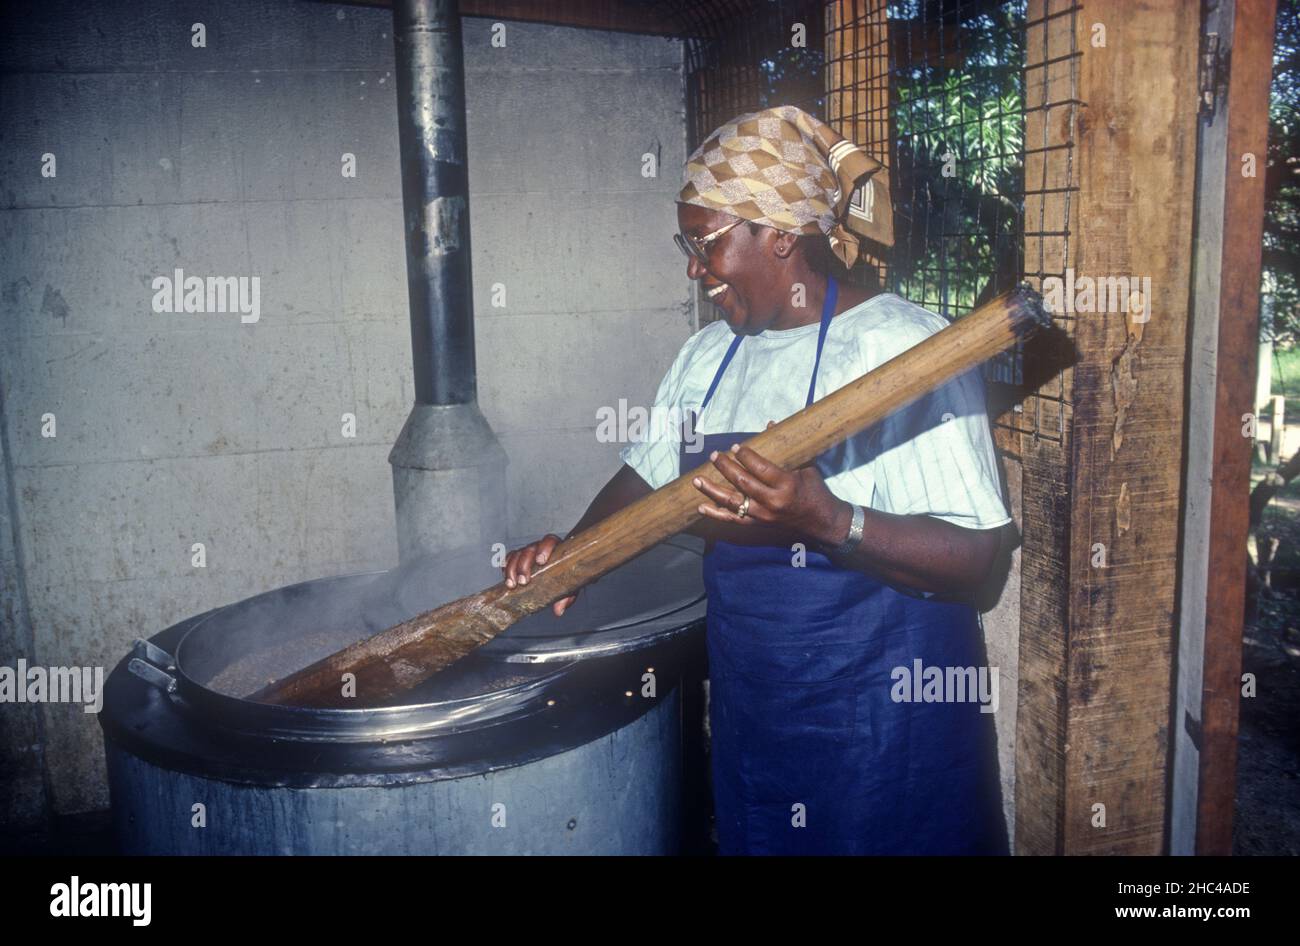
pixel 743 509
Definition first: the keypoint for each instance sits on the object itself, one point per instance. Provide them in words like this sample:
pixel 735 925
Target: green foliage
pixel 959 236
pixel 954 117
pixel 959 123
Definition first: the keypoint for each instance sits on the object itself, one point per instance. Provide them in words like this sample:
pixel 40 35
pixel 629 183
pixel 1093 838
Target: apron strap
pixel 828 312
pixel 726 360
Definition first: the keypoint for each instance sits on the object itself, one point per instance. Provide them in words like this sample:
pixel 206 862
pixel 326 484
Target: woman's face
pixel 742 273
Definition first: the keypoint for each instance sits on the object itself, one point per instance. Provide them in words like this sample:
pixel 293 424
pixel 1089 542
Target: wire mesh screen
pixel 971 104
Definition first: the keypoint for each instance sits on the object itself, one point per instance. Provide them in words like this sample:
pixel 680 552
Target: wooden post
pixel 1051 222
pixel 1101 507
pixel 1234 135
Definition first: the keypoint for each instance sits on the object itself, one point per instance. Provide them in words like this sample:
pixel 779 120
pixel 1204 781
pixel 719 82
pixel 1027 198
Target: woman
pixel 826 584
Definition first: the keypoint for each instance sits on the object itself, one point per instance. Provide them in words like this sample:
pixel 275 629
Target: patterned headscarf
pixel 785 169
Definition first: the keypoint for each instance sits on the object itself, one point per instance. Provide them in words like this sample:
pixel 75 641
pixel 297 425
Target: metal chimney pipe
pixel 435 198
pixel 448 467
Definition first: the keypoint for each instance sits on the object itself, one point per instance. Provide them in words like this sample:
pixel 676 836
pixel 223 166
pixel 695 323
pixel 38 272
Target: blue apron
pixel 811 754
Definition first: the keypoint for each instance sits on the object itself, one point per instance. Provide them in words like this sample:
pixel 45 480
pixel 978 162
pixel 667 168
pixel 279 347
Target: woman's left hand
pixel 797 501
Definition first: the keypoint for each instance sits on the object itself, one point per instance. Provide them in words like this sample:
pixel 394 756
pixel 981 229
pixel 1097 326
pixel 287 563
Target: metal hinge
pixel 1212 76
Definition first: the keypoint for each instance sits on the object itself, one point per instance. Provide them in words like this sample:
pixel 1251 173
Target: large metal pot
pixel 562 735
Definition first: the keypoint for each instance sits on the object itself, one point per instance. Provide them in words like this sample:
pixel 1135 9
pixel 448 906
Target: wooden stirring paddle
pixel 403 656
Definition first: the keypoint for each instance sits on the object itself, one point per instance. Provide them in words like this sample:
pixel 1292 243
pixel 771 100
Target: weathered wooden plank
pixel 1235 310
pixel 1099 564
pixel 1136 161
pixel 1045 494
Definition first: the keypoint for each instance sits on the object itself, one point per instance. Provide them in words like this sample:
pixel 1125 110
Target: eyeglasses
pixel 692 247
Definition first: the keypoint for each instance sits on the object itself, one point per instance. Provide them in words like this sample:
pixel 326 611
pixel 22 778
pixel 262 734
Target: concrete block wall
pixel 180 428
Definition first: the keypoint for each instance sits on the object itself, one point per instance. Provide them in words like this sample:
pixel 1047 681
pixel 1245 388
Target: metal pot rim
pixel 298 723
pixel 560 656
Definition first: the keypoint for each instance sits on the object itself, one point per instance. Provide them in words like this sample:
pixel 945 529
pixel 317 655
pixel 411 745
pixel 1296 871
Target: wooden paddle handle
pixel 405 655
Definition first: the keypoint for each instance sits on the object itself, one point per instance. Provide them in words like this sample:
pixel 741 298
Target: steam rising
pixel 243 647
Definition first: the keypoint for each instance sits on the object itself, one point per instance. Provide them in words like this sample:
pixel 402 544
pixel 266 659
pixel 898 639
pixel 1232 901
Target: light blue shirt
pixel 935 457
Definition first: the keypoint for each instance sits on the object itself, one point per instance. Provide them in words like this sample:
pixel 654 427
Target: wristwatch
pixel 855 532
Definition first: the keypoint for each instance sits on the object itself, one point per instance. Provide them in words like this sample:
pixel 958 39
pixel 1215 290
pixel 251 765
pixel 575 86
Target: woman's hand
pixel 519 566
pixel 797 501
